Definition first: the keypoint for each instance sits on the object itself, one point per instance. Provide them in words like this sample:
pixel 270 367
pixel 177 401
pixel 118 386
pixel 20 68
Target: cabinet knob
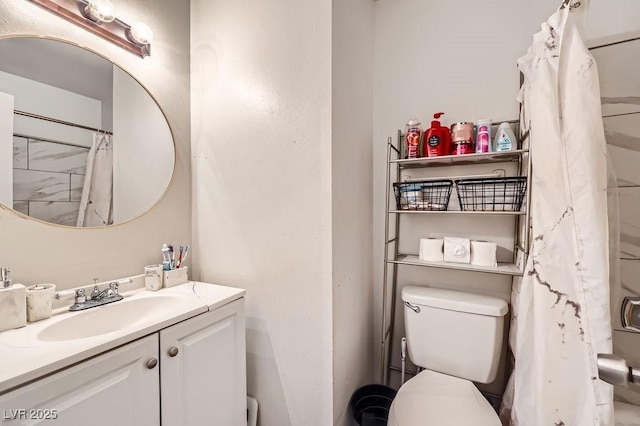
pixel 173 351
pixel 151 364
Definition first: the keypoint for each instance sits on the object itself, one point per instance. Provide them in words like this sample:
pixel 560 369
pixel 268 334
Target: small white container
pixel 40 301
pixel 153 277
pixel 176 277
pixel 457 250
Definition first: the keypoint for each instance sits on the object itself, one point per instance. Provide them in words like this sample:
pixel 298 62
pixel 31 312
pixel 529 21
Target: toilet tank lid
pixel 455 301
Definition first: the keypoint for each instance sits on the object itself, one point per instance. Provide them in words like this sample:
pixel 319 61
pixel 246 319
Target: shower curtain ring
pixel 573 4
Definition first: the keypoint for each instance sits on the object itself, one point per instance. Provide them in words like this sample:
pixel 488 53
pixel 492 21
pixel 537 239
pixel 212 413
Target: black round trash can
pixel 370 405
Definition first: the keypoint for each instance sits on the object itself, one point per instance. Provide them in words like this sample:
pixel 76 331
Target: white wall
pixel 6 149
pixel 438 55
pixel 261 142
pixel 351 163
pixel 71 257
pixel 43 99
pixel 143 156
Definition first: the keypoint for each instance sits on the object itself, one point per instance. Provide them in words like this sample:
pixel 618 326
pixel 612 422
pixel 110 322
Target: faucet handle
pixel 81 296
pixel 64 294
pixel 115 285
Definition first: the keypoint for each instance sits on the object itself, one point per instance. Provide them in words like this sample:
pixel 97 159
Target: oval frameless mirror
pixel 90 146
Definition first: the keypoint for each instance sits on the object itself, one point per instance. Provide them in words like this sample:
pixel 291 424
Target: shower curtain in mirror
pixel 560 318
pixel 96 202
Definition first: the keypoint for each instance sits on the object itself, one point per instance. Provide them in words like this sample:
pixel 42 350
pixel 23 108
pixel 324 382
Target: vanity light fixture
pixel 98 17
pixel 140 33
pixel 100 11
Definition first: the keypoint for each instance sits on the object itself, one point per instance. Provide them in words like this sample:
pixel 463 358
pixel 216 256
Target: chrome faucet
pixel 97 298
pixel 109 292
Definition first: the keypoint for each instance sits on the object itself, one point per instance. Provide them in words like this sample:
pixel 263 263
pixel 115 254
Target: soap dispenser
pixel 437 139
pixel 13 303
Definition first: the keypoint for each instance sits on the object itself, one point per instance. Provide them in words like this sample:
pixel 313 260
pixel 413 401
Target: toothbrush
pixel 173 257
pixel 186 252
pixel 180 253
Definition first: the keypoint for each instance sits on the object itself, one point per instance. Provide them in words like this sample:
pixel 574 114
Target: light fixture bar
pixel 115 31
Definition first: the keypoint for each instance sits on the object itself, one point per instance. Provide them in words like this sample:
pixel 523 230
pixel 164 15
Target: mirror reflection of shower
pixel 48 178
pixel 63 98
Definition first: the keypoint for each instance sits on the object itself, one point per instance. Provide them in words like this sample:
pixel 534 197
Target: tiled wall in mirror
pixel 48 179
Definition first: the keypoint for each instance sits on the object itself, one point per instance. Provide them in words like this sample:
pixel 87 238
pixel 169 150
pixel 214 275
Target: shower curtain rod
pixel 64 123
pixel 38 138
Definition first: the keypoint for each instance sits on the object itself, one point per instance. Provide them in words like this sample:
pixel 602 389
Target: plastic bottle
pixel 437 139
pixel 505 139
pixel 483 139
pixel 412 133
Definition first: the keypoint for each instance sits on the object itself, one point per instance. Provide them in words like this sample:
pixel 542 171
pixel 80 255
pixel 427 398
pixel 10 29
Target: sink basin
pixel 108 318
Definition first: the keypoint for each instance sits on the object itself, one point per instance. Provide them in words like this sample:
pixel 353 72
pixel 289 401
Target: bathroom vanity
pixel 175 357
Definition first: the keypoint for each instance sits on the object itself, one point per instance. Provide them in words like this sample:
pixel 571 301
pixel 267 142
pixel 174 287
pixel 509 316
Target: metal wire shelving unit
pixel 394 259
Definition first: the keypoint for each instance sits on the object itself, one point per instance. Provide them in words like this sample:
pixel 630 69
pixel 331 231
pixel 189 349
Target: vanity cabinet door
pixel 120 387
pixel 203 380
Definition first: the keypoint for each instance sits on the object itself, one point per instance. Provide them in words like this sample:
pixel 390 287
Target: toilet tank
pixel 455 333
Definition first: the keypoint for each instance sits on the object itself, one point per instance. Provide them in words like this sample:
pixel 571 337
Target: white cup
pixel 153 277
pixel 40 301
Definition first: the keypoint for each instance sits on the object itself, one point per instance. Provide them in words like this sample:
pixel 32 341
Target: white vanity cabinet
pixel 188 374
pixel 203 378
pixel 115 388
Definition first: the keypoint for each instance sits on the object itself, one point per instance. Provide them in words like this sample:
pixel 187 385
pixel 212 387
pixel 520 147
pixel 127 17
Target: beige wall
pixel 261 109
pixel 351 175
pixel 37 252
pixel 282 122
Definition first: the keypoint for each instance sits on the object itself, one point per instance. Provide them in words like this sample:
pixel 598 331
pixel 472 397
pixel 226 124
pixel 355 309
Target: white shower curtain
pixel 97 192
pixel 561 318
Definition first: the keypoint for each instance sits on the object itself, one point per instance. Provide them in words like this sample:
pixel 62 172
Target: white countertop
pixel 24 357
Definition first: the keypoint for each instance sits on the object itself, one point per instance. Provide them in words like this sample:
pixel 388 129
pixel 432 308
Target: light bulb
pixel 100 10
pixel 140 33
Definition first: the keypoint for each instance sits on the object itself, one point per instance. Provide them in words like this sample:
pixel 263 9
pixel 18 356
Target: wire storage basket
pixel 491 194
pixel 423 195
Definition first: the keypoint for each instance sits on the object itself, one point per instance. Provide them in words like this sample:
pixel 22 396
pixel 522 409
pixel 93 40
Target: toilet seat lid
pixel 432 398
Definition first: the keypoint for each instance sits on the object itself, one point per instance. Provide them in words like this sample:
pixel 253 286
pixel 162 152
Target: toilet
pixel 457 338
